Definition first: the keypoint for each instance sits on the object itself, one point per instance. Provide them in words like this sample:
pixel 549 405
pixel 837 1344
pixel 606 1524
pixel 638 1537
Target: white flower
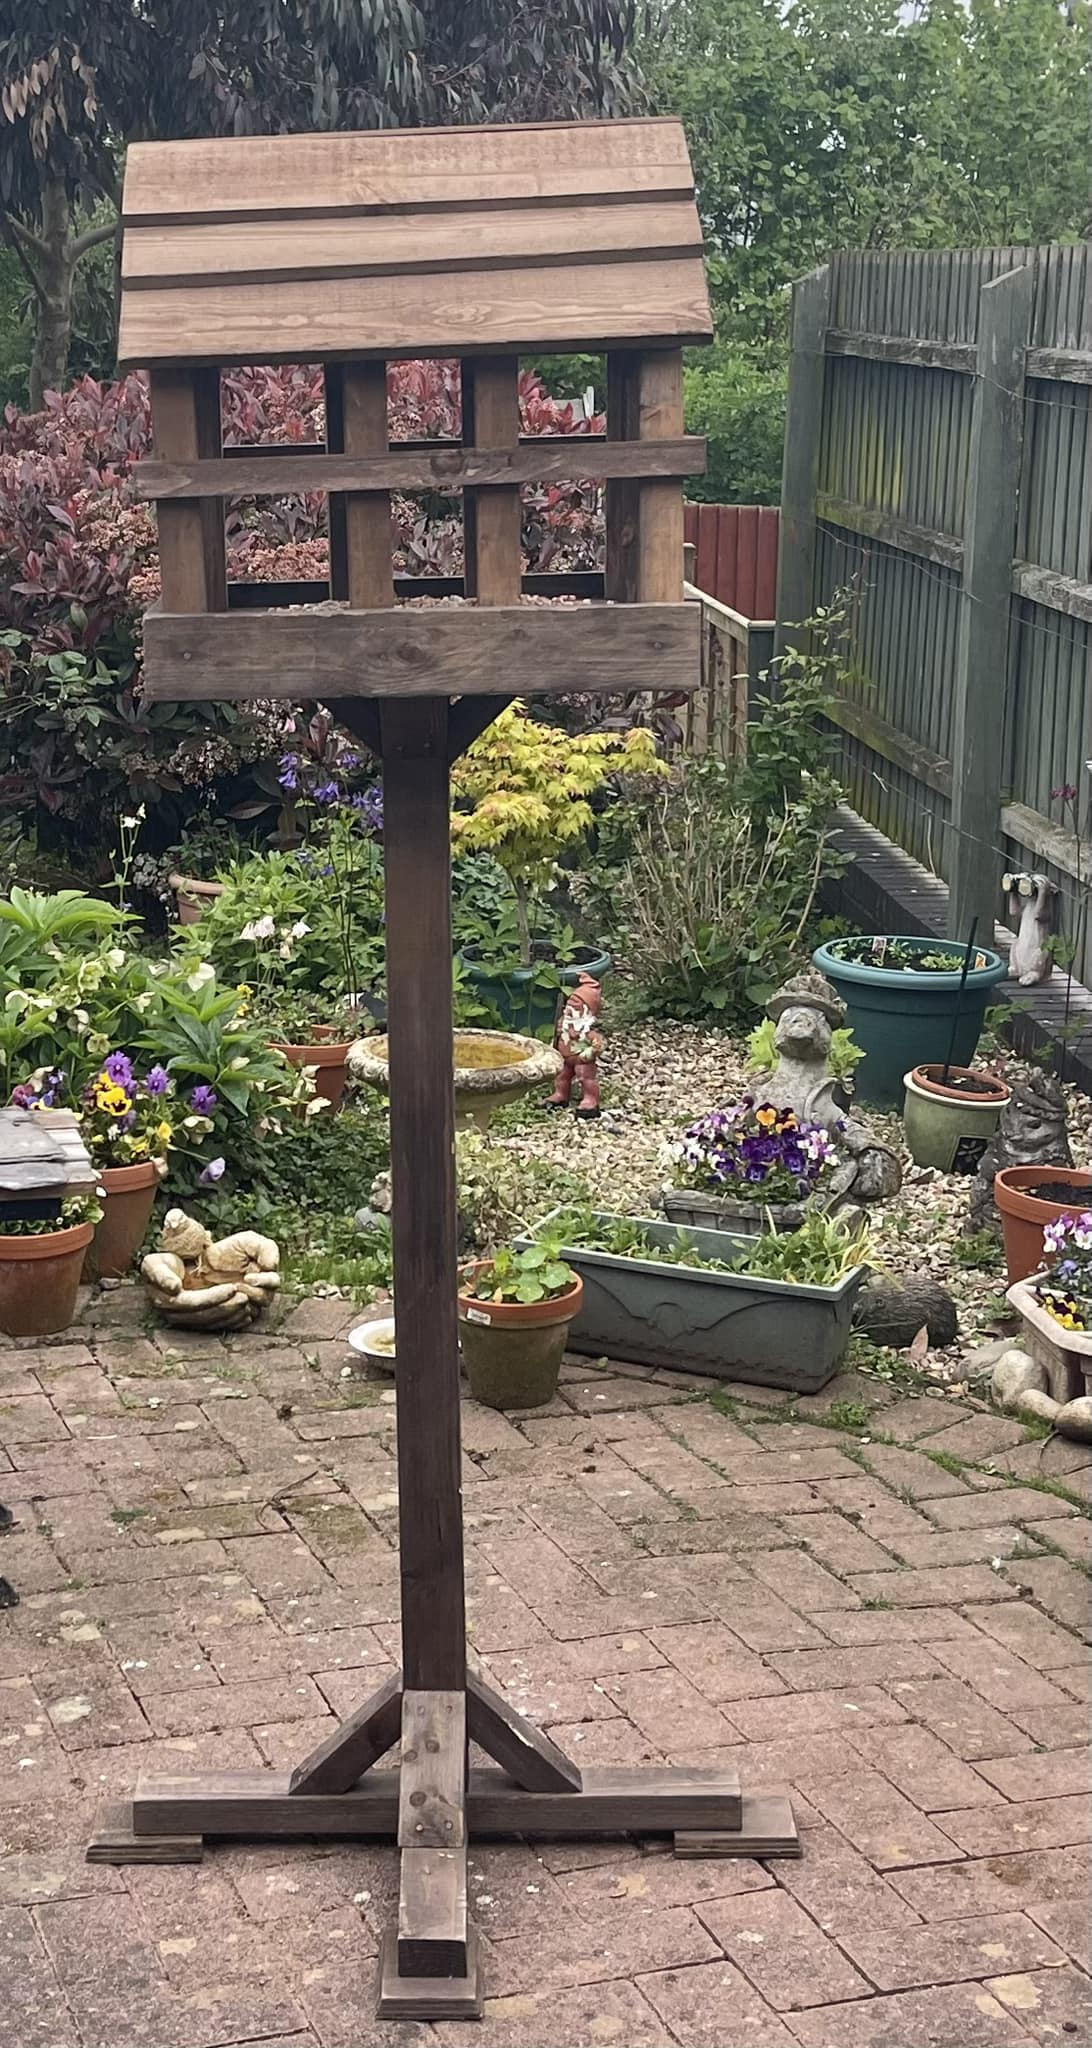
pixel 115 958
pixel 300 929
pixel 204 972
pixel 258 928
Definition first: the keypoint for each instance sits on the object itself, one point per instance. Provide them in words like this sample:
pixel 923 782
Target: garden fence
pixel 731 557
pixel 938 465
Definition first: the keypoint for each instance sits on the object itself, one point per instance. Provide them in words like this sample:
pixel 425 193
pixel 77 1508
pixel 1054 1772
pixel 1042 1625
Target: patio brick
pixel 788 1959
pixel 958 2013
pixel 951 1952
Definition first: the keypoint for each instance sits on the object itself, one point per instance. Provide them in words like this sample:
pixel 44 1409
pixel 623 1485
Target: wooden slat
pixel 623 423
pixel 399 243
pixel 1064 365
pixel 524 1751
pixel 113 1840
pixel 570 307
pixel 432 1919
pixel 428 1998
pixel 361 564
pixel 192 552
pixel 945 548
pixel 803 435
pixel 284 176
pixel 1064 594
pixel 360 1740
pixel 767 1828
pixel 918 352
pixel 460 650
pixel 651 1799
pixel 432 1778
pixel 467 719
pixel 659 504
pixel 549 458
pixel 885 739
pixel 492 515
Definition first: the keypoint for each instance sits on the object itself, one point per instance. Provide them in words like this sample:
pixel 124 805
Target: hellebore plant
pixel 754 1151
pixel 1066 1291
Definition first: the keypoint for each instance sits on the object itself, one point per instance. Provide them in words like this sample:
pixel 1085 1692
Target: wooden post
pixel 492 513
pixel 621 498
pixel 361 567
pixel 800 469
pixel 660 501
pixel 989 536
pixel 192 553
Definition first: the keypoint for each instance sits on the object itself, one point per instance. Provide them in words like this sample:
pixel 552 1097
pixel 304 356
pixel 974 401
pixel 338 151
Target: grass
pixel 948 1462
pixel 123 1516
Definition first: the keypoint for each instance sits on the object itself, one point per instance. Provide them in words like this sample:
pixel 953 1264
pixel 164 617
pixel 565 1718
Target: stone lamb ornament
pixel 1033 914
pixel 1031 1131
pixel 805 1011
pixel 202 1284
pixel 580 1042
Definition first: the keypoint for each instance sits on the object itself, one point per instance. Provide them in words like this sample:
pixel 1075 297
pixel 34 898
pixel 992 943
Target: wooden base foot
pixel 114 1841
pixel 427 1998
pixel 767 1828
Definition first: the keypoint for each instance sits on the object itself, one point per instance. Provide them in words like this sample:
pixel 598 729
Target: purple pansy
pixel 203 1099
pixel 157 1081
pixel 213 1172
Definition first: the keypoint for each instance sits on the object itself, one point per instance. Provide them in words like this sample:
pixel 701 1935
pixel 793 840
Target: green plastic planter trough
pixel 726 1325
pixel 520 1002
pixel 904 1019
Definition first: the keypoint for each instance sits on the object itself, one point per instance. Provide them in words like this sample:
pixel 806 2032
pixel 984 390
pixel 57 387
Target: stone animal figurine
pixel 1031 1131
pixel 580 1042
pixel 206 1285
pixel 1033 914
pixel 805 1011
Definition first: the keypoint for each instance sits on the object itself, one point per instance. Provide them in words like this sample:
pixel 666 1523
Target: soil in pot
pixel 39 1280
pixel 512 1351
pixel 1079 1197
pixel 126 1211
pixel 902 1016
pixel 1030 1197
pixel 950 1115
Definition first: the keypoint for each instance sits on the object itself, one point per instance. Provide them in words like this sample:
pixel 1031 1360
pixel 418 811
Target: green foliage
pixel 536 1274
pixel 819 1254
pixel 75 1209
pixel 979 1249
pixel 843 1058
pixel 500 1191
pixel 738 403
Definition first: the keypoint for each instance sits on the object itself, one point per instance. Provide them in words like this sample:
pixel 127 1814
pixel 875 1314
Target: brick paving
pixel 205 1550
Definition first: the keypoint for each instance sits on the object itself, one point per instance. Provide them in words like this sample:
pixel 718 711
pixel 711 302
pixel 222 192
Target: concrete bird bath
pixel 491 1067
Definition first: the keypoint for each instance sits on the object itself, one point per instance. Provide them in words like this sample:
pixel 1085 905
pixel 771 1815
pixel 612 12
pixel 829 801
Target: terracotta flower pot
pixel 329 1054
pixel 191 896
pixel 512 1350
pixel 129 1197
pixel 949 1125
pixel 1024 1216
pixel 39 1277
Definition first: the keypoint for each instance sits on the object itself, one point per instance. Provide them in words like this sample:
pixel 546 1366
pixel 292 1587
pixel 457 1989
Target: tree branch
pixel 25 236
pixel 8 226
pixel 92 238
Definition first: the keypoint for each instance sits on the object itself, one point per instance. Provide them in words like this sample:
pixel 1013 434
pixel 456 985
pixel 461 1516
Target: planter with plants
pixel 41 1262
pixel 521 794
pixel 775 1310
pixel 515 1310
pixel 909 1003
pixel 1055 1307
pixel 1031 1199
pixel 748 1168
pixel 950 1115
pixel 127 1122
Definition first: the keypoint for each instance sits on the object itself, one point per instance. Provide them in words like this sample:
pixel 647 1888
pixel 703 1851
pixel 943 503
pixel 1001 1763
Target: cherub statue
pixel 806 1011
pixel 580 1042
pixel 205 1285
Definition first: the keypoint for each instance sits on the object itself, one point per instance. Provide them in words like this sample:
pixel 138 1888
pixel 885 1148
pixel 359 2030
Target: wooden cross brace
pixel 434 1705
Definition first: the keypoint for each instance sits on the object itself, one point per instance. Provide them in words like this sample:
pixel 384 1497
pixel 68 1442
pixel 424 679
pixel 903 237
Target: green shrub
pixel 739 405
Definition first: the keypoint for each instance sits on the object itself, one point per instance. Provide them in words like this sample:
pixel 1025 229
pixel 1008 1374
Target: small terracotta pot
pixel 329 1054
pixel 39 1277
pixel 512 1350
pixel 1024 1217
pixel 191 896
pixel 130 1196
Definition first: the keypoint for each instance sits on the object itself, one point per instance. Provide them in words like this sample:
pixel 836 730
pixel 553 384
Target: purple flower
pixel 213 1172
pixel 203 1102
pixel 368 806
pixel 23 1097
pixel 157 1081
pixel 289 776
pixel 326 793
pixel 1066 792
pixel 120 1069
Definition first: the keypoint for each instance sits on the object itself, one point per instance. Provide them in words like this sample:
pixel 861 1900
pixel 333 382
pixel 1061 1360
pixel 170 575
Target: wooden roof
pixel 296 247
pixel 42 1153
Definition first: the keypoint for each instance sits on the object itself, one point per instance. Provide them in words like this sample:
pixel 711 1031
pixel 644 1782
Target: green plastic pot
pixel 520 1004
pixel 946 1126
pixel 904 1019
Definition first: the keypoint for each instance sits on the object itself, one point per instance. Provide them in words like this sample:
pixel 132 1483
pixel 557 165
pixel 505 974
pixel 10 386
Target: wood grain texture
pixel 467 718
pixel 432 1921
pixel 113 1840
pixel 660 503
pixel 432 1781
pixel 493 560
pixel 767 1828
pixel 800 473
pixel 550 458
pixel 417 866
pixel 521 1749
pixel 192 551
pixel 464 650
pixel 362 1738
pixel 361 542
pixel 622 501
pixel 402 1997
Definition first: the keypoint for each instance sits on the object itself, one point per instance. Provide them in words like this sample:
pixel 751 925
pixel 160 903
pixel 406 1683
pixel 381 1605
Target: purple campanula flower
pixel 289 773
pixel 203 1099
pixel 326 793
pixel 213 1172
pixel 157 1080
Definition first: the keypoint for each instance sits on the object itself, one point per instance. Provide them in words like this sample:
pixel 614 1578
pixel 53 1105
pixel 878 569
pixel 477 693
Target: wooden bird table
pixel 574 235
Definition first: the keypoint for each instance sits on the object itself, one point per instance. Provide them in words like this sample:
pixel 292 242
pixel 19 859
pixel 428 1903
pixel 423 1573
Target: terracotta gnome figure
pixel 580 1042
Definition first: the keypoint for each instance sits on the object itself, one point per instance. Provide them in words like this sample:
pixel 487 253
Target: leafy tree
pixel 79 79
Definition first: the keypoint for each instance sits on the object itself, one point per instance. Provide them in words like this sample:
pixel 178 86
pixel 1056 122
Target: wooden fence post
pixel 982 648
pixel 800 471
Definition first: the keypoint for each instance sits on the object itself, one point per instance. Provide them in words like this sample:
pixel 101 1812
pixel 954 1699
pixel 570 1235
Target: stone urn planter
pixel 1025 1212
pixel 128 1197
pixel 328 1054
pixel 39 1280
pixel 1064 1355
pixel 192 895
pixel 949 1121
pixel 903 1016
pixel 512 1350
pixel 491 1067
pixel 690 1208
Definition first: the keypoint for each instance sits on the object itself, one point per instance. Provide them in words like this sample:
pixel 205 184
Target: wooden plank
pixel 884 739
pixel 402 1997
pixel 1066 594
pixel 417 867
pixel 800 471
pixel 467 719
pixel 918 352
pixel 768 1828
pixel 1048 840
pixel 873 524
pixel 459 650
pixel 361 542
pixel 621 504
pixel 399 243
pixel 297 176
pixel 658 303
pixel 355 1745
pixel 432 1778
pixel 982 650
pixel 192 551
pixel 432 1924
pixel 653 1800
pixel 659 503
pixel 524 1751
pixel 1066 365
pixel 493 558
pixel 113 1840
pixel 549 458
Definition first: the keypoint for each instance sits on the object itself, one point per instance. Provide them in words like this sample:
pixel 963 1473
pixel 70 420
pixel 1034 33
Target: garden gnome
pixel 1033 913
pixel 1031 1131
pixel 580 1042
pixel 805 1012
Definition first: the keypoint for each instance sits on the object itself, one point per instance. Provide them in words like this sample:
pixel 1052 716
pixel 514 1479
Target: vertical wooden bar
pixel 492 513
pixel 417 860
pixel 192 551
pixel 660 500
pixel 361 567
pixel 989 533
pixel 622 503
pixel 800 470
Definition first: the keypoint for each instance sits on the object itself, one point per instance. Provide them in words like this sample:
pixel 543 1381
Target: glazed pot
pixel 948 1126
pixel 328 1054
pixel 692 1208
pixel 520 1003
pixel 512 1350
pixel 39 1278
pixel 1024 1216
pixel 129 1193
pixel 903 1019
pixel 191 896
